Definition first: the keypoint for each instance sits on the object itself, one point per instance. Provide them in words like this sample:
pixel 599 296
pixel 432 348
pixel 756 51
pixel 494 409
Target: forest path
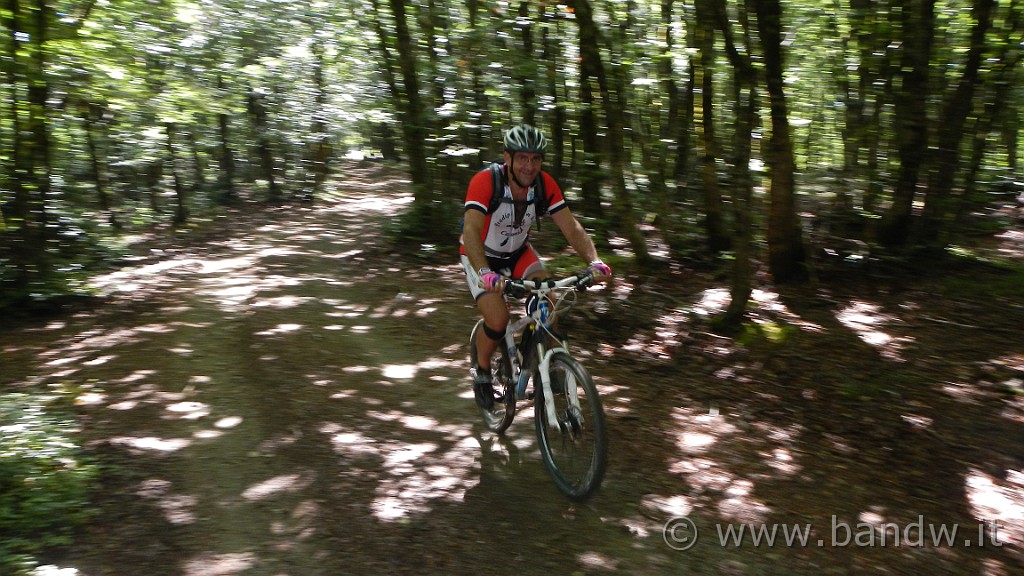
pixel 289 397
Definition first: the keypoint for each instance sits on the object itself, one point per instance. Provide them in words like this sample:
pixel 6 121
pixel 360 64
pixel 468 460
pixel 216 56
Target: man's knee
pixel 493 334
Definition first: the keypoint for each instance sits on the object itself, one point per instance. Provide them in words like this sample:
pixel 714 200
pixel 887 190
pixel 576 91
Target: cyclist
pixel 495 240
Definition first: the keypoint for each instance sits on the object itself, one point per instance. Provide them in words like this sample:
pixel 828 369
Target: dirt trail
pixel 289 398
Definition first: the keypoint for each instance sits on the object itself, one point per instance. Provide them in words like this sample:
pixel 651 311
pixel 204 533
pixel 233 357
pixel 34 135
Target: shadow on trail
pixel 291 398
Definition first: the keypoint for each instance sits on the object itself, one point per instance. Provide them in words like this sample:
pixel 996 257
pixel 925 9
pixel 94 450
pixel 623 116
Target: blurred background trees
pixel 747 130
pixel 753 135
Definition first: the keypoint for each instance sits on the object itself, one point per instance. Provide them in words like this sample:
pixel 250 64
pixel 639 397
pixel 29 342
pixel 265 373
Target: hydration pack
pixel 540 195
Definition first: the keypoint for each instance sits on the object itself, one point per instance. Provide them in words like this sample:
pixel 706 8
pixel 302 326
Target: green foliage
pixel 433 223
pixel 74 249
pixel 875 385
pixel 158 101
pixel 44 481
pixel 992 280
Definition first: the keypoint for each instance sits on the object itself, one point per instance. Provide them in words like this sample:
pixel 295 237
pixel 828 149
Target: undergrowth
pixel 45 482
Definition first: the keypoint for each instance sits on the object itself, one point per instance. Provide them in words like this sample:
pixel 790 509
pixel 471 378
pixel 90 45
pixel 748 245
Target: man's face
pixel 525 165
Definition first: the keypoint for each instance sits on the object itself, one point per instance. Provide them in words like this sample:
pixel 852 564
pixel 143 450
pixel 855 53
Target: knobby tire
pixel 500 417
pixel 576 452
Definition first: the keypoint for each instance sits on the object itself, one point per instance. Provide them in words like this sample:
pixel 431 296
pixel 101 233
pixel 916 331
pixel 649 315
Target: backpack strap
pixel 497 187
pixel 540 195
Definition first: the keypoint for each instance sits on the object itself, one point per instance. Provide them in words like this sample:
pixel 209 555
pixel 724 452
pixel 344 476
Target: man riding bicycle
pixel 495 239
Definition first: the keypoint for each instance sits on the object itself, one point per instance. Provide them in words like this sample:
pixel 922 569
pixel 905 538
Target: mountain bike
pixel 568 415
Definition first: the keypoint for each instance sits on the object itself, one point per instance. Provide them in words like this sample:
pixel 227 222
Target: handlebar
pixel 520 288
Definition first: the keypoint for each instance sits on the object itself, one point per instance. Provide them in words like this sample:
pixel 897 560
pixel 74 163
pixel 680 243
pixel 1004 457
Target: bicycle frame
pixel 536 320
pixel 571 431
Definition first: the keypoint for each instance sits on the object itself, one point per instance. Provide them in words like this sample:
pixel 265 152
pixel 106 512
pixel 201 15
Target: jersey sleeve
pixel 556 201
pixel 478 195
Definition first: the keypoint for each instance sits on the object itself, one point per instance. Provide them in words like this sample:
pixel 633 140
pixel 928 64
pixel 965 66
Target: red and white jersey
pixel 501 235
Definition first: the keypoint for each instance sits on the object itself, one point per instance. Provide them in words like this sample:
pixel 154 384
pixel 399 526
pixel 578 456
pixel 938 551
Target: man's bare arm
pixel 472 229
pixel 576 235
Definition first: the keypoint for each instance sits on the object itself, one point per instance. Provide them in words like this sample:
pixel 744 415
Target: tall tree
pixel 917 30
pixel 412 115
pixel 946 158
pixel 786 254
pixel 524 68
pixel 264 145
pixel 181 205
pixel 320 148
pixel 706 123
pixel 30 165
pixel 745 112
pixel 590 56
pixel 556 88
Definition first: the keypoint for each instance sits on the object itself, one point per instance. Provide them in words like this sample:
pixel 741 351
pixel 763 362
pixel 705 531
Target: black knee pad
pixel 495 335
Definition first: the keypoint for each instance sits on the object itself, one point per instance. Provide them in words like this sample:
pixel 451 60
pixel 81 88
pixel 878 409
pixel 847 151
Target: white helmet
pixel 525 138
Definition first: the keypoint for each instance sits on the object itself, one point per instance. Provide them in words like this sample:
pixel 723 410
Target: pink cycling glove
pixel 489 279
pixel 599 268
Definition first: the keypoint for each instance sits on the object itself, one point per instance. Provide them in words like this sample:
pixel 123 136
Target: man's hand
pixel 490 281
pixel 599 269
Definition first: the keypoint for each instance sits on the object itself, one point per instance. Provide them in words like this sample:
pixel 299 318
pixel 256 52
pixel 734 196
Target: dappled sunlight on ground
pixel 675 326
pixel 149 444
pixel 293 399
pixel 713 483
pixel 868 322
pixel 219 564
pixel 277 485
pixel 177 508
pixel 999 503
pixel 412 474
pixel 764 305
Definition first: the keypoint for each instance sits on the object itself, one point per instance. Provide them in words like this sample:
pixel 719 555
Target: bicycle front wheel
pixel 575 447
pixel 499 418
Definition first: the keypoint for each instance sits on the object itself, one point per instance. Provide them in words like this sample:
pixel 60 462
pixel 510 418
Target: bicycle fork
pixel 545 377
pixel 520 375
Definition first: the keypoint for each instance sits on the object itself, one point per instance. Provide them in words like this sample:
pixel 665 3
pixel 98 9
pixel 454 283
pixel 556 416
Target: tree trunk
pixel 30 164
pixel 550 51
pixel 264 150
pixel 227 161
pixel 856 95
pixel 786 256
pixel 667 126
pixel 911 115
pixel 590 176
pixel 995 112
pixel 198 168
pixel 320 149
pixel 951 128
pixel 180 192
pixel 590 53
pixel 388 148
pixel 17 162
pixel 411 111
pixel 92 117
pixel 745 108
pixel 479 132
pixel 525 68
pixel 430 21
pixel 704 122
pixel 683 133
pixel 38 123
pixel 226 175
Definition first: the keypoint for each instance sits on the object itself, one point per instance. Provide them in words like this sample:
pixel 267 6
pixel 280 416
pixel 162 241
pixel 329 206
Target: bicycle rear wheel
pixel 499 418
pixel 575 448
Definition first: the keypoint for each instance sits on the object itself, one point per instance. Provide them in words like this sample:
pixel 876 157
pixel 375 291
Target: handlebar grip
pixel 513 288
pixel 585 281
